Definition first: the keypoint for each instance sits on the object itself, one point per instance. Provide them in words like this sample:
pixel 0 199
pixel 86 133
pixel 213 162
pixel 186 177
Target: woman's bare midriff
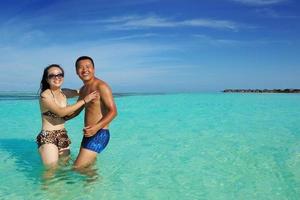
pixel 52 124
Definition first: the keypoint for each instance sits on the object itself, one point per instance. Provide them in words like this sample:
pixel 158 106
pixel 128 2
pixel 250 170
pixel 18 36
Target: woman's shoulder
pixel 45 94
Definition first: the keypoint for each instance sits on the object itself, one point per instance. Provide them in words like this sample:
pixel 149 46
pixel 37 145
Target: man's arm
pixel 108 101
pixel 70 93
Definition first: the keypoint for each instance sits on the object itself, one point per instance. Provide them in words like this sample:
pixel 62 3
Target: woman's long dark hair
pixel 44 84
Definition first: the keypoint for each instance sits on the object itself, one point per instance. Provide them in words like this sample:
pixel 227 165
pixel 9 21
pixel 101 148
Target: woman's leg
pixel 64 156
pixel 64 152
pixel 49 154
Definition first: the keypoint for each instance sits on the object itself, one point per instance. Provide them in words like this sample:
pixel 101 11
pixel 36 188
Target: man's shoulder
pixel 102 86
pixel 100 83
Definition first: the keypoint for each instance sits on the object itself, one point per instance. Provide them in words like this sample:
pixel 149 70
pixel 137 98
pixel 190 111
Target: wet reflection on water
pixel 65 174
pixel 63 182
pixel 26 174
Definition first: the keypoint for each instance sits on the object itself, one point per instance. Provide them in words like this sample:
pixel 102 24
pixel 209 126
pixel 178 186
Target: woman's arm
pixel 48 102
pixel 74 114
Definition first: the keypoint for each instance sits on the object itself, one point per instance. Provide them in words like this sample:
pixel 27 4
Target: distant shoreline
pixel 15 95
pixel 261 91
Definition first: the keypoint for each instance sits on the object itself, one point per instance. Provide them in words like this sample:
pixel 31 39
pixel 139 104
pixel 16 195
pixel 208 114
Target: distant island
pixel 262 91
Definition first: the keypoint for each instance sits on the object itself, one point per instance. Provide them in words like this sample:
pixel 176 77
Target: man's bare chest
pixel 94 103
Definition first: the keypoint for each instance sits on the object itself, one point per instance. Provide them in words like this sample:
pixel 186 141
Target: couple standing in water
pixel 95 96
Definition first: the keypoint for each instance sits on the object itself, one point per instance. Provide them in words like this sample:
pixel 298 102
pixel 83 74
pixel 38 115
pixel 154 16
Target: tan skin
pixel 55 100
pixel 98 113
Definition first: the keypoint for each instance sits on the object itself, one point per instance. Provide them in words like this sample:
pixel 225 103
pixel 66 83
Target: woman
pixel 53 140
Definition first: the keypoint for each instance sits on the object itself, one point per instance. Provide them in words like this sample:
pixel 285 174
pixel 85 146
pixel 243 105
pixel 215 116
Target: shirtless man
pixel 98 113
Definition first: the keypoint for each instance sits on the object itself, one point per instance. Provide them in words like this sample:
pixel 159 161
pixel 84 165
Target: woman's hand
pixel 91 96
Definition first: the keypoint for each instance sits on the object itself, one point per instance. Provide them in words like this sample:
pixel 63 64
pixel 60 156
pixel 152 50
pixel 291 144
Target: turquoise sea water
pixel 173 146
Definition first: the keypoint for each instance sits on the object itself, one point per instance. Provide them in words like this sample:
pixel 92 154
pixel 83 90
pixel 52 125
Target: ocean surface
pixel 168 146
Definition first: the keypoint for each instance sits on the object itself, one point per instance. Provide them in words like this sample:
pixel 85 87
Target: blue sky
pixel 153 46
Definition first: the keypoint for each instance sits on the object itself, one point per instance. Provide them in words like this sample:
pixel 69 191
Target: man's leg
pixel 85 158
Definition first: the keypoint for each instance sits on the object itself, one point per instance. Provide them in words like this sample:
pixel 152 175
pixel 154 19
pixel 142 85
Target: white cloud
pixel 131 37
pixel 118 19
pixel 135 22
pixel 205 39
pixel 218 42
pixel 117 62
pixel 260 2
pixel 271 13
pixel 210 23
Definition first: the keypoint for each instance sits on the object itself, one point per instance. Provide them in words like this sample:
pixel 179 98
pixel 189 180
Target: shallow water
pixel 177 146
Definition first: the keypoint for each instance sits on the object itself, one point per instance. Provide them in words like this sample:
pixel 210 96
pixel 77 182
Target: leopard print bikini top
pixel 51 114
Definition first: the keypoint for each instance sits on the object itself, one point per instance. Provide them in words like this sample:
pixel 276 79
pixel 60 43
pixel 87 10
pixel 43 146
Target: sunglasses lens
pixel 52 76
pixel 59 75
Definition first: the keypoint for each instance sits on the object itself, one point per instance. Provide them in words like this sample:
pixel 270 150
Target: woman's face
pixel 55 77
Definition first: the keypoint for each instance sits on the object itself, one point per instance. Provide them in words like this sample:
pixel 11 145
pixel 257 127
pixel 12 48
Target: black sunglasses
pixel 52 76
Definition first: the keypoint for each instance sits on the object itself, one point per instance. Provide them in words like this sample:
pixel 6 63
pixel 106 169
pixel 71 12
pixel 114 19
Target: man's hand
pixel 89 131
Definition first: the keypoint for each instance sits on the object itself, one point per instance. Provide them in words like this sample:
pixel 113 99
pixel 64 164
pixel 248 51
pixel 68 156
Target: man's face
pixel 85 70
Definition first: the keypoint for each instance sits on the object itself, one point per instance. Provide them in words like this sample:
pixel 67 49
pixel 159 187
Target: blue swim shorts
pixel 97 142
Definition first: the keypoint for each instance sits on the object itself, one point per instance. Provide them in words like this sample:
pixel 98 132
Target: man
pixel 98 113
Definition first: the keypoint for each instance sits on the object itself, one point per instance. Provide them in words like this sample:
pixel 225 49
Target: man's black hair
pixel 83 58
